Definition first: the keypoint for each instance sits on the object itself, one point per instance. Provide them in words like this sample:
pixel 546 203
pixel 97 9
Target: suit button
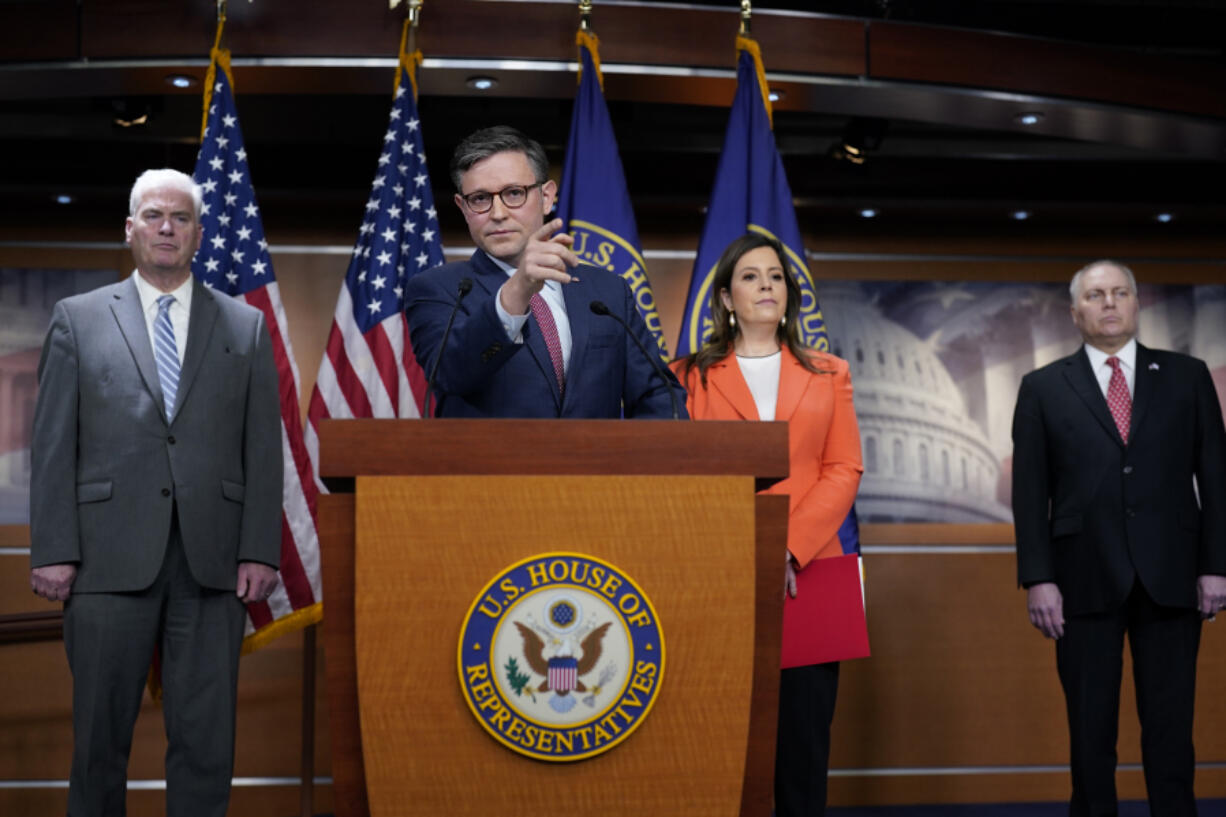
pixel 1127 469
pixel 165 492
pixel 1130 512
pixel 171 440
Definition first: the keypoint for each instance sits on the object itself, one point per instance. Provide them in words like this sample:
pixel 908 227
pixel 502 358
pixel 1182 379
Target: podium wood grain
pixel 427 545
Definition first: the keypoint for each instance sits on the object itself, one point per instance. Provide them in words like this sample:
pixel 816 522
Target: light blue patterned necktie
pixel 166 353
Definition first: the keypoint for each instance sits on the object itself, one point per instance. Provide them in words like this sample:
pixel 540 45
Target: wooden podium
pixel 441 507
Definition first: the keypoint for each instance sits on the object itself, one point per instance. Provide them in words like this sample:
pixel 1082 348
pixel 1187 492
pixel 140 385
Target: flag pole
pixel 746 13
pixel 586 37
pixel 216 55
pixel 410 56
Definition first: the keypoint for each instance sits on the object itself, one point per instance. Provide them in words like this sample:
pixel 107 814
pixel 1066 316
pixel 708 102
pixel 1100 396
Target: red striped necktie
pixel 1118 399
pixel 549 333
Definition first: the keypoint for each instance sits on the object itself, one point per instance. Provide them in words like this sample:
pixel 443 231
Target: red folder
pixel 825 622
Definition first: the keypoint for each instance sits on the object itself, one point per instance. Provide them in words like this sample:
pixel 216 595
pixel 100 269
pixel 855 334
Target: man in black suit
pixel 1119 505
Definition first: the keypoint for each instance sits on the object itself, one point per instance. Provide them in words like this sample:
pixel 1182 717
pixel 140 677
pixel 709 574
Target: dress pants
pixel 110 639
pixel 802 746
pixel 1164 642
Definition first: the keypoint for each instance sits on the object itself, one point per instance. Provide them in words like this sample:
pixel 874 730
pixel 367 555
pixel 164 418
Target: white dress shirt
pixel 514 324
pixel 1128 365
pixel 180 310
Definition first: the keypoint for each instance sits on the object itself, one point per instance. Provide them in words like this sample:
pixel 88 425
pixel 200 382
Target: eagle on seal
pixel 591 648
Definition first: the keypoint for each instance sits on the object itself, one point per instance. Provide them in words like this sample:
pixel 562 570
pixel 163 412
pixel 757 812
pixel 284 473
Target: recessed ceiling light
pixel 1165 218
pixel 481 83
pixel 1029 118
pixel 868 212
pixel 1020 215
pixel 181 80
pixel 63 198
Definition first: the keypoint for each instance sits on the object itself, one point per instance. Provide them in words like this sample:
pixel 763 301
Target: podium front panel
pixel 425 548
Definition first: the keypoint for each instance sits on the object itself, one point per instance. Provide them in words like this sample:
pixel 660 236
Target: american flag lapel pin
pixel 1153 367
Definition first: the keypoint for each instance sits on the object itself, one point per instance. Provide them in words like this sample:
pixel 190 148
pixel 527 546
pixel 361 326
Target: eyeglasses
pixel 512 196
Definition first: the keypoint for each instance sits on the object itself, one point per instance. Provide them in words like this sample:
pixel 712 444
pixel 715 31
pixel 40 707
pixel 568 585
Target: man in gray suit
pixel 155 503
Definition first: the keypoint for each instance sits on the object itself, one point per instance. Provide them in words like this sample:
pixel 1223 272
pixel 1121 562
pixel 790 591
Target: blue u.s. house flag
pixel 751 193
pixel 594 204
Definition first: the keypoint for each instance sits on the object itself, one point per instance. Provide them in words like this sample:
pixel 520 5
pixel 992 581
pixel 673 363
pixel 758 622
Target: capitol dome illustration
pixel 925 458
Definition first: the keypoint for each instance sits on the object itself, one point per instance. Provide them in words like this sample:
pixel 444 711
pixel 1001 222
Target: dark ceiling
pixel 313 148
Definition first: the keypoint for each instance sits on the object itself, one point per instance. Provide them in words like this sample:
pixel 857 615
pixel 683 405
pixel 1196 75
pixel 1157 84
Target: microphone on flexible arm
pixel 599 308
pixel 466 284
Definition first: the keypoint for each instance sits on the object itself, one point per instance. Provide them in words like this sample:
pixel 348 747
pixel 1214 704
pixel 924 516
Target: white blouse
pixel 762 376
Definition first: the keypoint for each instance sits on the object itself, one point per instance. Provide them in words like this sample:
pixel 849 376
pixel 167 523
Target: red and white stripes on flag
pixel 233 258
pixel 368 368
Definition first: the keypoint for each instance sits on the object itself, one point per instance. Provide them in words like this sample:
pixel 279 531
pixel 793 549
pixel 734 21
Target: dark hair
pixel 724 333
pixel 488 141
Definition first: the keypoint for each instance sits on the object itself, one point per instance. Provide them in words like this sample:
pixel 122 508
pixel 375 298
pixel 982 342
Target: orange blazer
pixel 823 441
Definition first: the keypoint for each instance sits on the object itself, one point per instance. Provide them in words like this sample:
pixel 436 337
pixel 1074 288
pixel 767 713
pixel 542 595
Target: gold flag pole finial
pixel 412 5
pixel 585 15
pixel 746 13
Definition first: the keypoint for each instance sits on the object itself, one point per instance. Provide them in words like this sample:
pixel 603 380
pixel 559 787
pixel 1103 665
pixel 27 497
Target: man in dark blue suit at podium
pixel 525 341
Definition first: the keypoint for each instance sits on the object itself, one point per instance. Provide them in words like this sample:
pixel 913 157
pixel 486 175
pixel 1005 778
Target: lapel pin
pixel 1153 367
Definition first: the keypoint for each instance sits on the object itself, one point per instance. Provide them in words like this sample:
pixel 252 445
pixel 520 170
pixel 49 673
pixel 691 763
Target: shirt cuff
pixel 513 325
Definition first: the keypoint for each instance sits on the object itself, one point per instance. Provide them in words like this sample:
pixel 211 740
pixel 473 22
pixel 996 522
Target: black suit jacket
pixel 1093 514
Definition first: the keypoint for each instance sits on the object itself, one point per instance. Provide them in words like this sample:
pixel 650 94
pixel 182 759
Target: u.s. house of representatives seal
pixel 561 656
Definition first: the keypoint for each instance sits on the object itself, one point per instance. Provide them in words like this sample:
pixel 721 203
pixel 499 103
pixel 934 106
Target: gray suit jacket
pixel 108 467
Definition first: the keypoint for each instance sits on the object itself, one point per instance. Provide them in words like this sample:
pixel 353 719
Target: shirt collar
pixel 149 294
pixel 1127 356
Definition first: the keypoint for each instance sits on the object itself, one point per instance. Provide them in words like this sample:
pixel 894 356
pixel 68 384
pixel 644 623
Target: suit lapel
pixel 725 377
pixel 793 380
pixel 1143 386
pixel 491 277
pixel 126 309
pixel 577 296
pixel 199 330
pixel 1081 378
pixel 488 275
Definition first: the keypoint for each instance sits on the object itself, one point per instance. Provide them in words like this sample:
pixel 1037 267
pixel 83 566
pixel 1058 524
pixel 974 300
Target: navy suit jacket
pixel 483 374
pixel 1093 514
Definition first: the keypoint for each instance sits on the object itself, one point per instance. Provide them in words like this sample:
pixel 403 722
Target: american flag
pixel 368 369
pixel 233 258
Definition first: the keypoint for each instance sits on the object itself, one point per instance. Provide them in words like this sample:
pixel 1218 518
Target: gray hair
pixel 165 177
pixel 1075 284
pixel 498 139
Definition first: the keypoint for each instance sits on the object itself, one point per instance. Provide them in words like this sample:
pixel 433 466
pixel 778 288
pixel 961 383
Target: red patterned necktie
pixel 1118 399
pixel 549 333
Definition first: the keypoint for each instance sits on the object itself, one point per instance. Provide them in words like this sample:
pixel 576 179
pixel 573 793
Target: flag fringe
pixel 217 56
pixel 409 60
pixel 300 619
pixel 589 40
pixel 751 45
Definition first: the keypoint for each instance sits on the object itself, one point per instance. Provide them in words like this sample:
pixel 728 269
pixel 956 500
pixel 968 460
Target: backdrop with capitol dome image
pixel 936 367
pixel 27 297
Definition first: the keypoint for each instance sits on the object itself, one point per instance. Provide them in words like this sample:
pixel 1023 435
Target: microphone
pixel 466 284
pixel 599 308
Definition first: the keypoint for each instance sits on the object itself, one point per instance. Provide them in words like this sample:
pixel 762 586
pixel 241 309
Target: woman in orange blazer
pixel 755 367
